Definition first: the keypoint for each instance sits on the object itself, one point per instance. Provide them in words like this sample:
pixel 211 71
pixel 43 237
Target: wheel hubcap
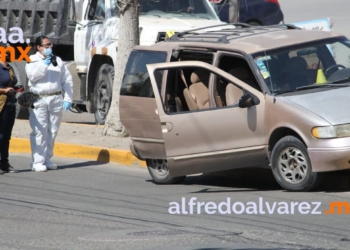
pixel 103 100
pixel 292 165
pixel 160 166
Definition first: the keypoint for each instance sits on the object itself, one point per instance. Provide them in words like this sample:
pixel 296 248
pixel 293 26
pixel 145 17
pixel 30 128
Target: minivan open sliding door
pixel 212 139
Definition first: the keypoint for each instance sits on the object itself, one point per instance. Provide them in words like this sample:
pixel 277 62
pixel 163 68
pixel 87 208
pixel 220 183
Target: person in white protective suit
pixel 51 80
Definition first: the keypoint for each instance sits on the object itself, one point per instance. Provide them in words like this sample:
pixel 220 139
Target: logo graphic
pixel 340 205
pixel 16 36
pixel 194 206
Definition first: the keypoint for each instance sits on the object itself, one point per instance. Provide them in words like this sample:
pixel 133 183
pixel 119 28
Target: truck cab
pixel 85 35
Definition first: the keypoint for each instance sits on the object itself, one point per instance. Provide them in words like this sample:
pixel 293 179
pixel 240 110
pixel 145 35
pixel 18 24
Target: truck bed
pixel 39 17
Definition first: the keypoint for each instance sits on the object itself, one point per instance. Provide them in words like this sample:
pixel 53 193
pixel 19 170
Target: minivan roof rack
pixel 220 36
pixel 180 34
pixel 288 26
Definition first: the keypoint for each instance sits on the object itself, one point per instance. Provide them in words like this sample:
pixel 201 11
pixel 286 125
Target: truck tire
pixel 20 72
pixel 103 92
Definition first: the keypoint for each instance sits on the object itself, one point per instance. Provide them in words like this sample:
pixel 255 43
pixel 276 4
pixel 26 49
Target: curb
pixel 125 157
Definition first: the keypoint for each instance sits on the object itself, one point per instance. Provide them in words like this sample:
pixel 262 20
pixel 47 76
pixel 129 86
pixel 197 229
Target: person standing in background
pixel 233 11
pixel 51 80
pixel 7 113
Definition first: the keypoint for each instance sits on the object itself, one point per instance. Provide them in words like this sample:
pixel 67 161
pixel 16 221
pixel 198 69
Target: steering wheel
pixel 334 66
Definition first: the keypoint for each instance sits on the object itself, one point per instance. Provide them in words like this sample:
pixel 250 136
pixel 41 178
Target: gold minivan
pixel 237 96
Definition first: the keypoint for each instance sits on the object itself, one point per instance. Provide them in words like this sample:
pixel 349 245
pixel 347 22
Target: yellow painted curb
pixel 125 157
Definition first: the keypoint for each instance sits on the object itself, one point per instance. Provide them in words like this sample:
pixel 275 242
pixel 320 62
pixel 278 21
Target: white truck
pixel 85 36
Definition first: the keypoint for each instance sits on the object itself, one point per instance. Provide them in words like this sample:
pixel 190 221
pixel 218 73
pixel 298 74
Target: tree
pixel 128 37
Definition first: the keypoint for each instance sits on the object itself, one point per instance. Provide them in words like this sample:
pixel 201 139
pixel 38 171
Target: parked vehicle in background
pixel 84 34
pixel 253 12
pixel 240 97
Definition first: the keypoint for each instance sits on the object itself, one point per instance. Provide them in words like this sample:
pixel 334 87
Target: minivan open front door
pixel 213 138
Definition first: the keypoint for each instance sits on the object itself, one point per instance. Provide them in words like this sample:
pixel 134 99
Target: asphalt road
pixel 89 205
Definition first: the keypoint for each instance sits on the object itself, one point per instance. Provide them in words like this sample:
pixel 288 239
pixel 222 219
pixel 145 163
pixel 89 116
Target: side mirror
pixel 247 100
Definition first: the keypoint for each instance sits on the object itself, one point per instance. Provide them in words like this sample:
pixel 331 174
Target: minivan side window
pixel 228 94
pixel 136 81
pixel 186 95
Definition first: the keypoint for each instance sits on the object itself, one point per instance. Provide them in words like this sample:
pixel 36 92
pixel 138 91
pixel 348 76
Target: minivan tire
pixel 158 169
pixel 103 92
pixel 291 165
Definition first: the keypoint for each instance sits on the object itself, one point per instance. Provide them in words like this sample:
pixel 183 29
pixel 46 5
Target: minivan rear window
pixel 136 81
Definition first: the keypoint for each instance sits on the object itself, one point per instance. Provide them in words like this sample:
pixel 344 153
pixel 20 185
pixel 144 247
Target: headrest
pixel 240 73
pixel 295 63
pixel 200 75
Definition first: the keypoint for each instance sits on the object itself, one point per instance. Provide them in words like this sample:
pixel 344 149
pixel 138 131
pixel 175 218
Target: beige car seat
pixel 197 94
pixel 233 93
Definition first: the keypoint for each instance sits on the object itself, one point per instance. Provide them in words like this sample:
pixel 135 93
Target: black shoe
pixel 1 172
pixel 8 169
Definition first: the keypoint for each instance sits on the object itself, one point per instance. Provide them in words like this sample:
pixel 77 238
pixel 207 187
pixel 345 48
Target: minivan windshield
pixel 196 9
pixel 306 66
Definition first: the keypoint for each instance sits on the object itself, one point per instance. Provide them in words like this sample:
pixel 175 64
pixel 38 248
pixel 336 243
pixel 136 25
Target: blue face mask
pixel 47 51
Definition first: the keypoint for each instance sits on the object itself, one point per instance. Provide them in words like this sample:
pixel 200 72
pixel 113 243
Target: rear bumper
pixel 329 159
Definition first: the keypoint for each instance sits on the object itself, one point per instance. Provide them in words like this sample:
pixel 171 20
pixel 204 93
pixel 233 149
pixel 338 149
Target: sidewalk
pixel 78 141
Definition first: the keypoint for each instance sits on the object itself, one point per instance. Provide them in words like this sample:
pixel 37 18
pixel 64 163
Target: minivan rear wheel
pixel 291 165
pixel 159 171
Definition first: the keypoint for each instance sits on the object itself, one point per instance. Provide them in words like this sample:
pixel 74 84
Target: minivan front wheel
pixel 159 171
pixel 291 165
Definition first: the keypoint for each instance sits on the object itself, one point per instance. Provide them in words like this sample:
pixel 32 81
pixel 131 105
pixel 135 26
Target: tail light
pixel 273 1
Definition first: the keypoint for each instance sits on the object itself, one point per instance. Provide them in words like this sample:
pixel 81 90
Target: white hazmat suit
pixel 54 85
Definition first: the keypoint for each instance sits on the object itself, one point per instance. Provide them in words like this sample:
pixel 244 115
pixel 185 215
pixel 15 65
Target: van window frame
pixel 137 64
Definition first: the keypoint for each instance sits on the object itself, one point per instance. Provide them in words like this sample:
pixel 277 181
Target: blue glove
pixel 66 105
pixel 47 61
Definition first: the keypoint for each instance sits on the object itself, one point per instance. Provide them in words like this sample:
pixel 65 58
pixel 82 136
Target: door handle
pixel 166 127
